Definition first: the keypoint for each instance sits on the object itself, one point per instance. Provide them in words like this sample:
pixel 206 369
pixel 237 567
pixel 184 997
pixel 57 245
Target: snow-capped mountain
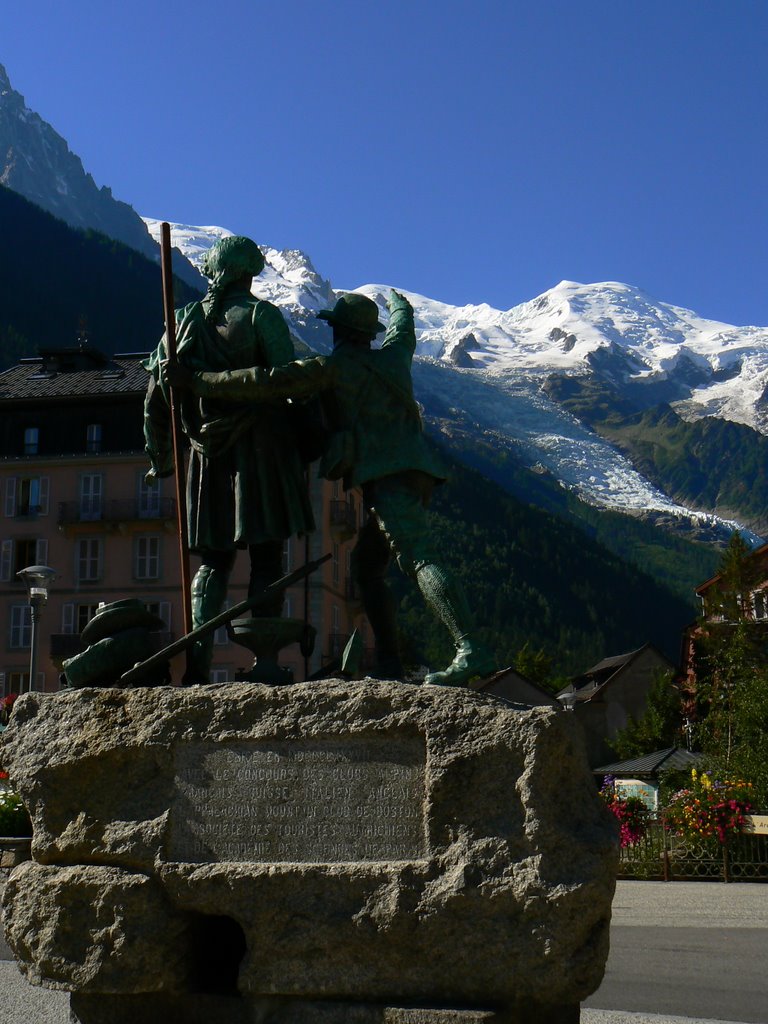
pixel 485 371
pixel 288 279
pixel 37 162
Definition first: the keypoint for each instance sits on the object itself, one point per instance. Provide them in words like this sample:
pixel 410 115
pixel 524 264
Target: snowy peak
pixel 612 330
pixel 289 279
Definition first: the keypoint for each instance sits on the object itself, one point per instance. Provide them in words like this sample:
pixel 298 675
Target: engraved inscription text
pixel 318 801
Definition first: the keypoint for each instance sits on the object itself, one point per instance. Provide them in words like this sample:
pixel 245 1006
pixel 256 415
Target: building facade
pixel 74 497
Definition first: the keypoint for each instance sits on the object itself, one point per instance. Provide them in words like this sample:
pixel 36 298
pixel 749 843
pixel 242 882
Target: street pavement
pixel 681 953
pixel 692 951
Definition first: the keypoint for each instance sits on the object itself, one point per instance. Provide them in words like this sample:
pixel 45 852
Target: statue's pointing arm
pixel 401 332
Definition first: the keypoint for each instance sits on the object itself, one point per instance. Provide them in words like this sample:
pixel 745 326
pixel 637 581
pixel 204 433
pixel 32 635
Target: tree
pixel 731 696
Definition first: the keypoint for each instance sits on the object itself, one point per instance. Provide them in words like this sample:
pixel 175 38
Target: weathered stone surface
pixel 373 841
pixel 77 928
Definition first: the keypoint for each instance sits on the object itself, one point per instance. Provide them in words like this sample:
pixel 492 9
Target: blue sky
pixel 473 152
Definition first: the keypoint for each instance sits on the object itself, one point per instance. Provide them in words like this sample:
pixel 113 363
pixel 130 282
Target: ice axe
pixel 135 674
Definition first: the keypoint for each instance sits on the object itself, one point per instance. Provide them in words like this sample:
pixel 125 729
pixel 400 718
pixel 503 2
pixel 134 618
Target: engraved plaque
pixel 315 801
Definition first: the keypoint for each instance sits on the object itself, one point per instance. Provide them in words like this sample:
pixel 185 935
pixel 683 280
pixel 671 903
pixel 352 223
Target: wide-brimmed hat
pixel 355 311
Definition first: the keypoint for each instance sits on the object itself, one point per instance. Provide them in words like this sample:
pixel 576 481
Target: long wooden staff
pixel 176 431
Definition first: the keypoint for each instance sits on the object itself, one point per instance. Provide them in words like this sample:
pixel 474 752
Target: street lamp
pixel 568 700
pixel 36 578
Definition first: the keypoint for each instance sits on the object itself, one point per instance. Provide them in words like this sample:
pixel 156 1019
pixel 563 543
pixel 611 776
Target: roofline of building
pixel 763 549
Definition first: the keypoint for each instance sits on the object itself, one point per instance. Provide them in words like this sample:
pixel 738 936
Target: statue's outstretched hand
pixel 176 376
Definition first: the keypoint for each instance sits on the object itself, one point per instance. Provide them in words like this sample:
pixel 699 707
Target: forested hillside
pixel 536 579
pixel 53 275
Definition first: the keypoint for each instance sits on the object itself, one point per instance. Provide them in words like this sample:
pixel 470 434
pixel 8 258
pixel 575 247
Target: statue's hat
pixel 355 311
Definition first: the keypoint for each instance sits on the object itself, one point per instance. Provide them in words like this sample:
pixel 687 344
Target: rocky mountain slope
pixel 37 162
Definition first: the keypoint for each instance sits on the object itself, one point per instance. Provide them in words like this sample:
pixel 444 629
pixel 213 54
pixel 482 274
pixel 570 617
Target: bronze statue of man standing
pixel 376 443
pixel 245 481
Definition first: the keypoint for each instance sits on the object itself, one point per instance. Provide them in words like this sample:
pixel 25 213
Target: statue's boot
pixel 209 589
pixel 381 611
pixel 445 595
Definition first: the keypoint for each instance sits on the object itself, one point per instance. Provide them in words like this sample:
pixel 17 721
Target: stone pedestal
pixel 360 852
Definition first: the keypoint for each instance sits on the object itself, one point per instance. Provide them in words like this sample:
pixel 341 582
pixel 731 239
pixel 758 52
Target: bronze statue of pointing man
pixel 376 443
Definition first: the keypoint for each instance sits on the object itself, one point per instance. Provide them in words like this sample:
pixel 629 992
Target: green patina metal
pixel 377 443
pixel 245 480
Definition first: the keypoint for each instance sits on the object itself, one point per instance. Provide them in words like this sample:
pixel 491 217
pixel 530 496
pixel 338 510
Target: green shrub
pixel 14 819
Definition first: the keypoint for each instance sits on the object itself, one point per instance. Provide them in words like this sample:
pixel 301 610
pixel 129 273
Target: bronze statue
pixel 245 481
pixel 376 443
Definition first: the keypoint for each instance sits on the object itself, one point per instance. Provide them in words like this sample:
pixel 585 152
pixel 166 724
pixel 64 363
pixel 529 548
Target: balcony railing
pixel 116 511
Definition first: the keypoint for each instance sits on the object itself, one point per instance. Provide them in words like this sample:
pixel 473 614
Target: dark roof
pixel 586 685
pixel 70 373
pixel 611 664
pixel 487 682
pixel 656 763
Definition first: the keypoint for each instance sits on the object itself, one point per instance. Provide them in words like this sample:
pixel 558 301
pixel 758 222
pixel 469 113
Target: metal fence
pixel 659 855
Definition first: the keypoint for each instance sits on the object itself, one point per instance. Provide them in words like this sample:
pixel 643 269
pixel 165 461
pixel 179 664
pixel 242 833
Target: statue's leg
pixel 266 567
pixel 400 508
pixel 444 593
pixel 370 559
pixel 209 589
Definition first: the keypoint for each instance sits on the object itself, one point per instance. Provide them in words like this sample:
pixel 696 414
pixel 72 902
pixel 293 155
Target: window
pixel 93 437
pixel 91 487
pixel 335 564
pixel 288 606
pixel 16 682
pixel 21 626
pixel 287 553
pixel 336 619
pixel 147 558
pixel 25 553
pixel 31 441
pixel 88 567
pixel 219 675
pixel 27 496
pixel 761 604
pixel 162 609
pixel 149 498
pixel 75 617
pixel 16 555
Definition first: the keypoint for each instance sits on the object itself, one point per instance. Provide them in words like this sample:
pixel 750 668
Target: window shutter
pixel 41 551
pixel 165 614
pixel 6 560
pixel 68 618
pixel 10 496
pixel 45 488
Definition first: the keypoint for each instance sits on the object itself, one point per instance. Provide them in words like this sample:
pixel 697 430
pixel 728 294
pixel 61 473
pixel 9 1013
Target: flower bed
pixel 709 808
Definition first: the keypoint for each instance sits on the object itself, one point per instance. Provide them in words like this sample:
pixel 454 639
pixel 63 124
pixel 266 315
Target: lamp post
pixel 36 579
